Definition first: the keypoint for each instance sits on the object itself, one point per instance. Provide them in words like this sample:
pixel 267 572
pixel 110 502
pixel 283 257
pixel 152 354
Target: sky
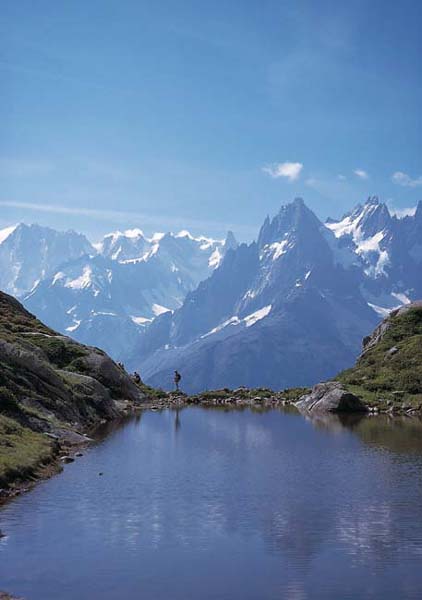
pixel 206 116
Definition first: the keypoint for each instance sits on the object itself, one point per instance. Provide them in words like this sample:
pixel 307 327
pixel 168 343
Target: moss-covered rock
pixel 50 383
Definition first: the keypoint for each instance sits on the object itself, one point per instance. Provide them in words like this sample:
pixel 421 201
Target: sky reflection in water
pixel 217 504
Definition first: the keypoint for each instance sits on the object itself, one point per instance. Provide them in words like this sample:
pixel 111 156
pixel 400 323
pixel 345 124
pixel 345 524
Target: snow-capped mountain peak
pixel 296 302
pixel 29 253
pixel 104 293
pixel 368 229
pixel 363 222
pixel 123 245
pixel 183 288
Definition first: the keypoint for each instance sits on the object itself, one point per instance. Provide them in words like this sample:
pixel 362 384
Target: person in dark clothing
pixel 177 378
pixel 137 378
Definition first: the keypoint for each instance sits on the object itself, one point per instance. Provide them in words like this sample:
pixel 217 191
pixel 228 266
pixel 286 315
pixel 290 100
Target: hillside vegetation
pixel 50 384
pixel 390 367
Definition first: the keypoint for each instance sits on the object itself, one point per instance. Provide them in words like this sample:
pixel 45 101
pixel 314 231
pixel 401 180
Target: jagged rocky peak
pixel 375 216
pixel 230 242
pixel 294 217
pixel 364 221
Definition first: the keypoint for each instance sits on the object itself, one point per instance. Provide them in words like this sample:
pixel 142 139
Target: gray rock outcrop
pixel 377 335
pixel 330 397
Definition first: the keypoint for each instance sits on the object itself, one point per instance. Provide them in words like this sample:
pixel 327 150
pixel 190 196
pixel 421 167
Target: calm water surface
pixel 207 504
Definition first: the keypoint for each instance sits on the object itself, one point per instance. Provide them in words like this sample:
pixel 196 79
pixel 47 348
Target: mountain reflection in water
pixel 217 503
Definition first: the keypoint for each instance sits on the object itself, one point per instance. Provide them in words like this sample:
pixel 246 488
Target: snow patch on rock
pixel 4 233
pixel 257 315
pixel 158 309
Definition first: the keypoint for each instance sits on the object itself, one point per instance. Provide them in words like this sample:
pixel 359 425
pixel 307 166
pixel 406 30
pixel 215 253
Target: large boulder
pixel 330 397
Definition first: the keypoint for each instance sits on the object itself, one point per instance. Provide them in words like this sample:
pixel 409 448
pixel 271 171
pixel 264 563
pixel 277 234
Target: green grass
pixel 380 374
pixel 61 353
pixel 15 320
pixel 290 395
pixel 153 393
pixel 22 451
pixel 294 394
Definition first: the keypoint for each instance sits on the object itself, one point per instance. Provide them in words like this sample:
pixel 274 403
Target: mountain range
pixel 103 294
pixel 289 309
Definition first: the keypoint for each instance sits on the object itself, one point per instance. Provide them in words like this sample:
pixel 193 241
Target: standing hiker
pixel 177 378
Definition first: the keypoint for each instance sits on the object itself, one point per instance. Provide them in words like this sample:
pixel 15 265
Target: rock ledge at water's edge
pixel 330 397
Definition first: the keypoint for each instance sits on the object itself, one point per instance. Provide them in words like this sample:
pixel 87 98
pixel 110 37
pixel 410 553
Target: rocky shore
pixel 55 392
pixel 63 446
pixel 6 596
pixel 297 398
pixel 68 445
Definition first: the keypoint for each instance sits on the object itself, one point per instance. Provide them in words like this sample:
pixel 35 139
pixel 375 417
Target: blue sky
pixel 206 115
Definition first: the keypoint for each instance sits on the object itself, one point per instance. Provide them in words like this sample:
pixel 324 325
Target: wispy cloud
pixel 405 180
pixel 129 217
pixel 361 174
pixel 289 170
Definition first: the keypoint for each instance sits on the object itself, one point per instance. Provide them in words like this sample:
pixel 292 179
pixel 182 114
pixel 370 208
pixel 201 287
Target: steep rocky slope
pixel 290 309
pixel 50 384
pixel 389 250
pixel 284 311
pixel 389 370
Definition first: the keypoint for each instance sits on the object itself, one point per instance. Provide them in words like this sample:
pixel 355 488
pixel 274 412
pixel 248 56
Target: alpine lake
pixel 216 504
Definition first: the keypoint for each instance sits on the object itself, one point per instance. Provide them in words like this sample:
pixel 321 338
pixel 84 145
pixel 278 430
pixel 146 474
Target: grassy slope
pixel 41 389
pixel 380 374
pixel 22 451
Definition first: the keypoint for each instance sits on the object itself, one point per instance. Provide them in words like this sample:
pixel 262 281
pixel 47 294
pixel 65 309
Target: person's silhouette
pixel 177 378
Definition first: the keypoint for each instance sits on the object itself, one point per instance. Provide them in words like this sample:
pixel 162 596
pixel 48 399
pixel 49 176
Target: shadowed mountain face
pixel 292 308
pixel 287 310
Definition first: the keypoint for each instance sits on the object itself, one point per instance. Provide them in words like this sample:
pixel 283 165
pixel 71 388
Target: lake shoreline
pixel 201 467
pixel 68 450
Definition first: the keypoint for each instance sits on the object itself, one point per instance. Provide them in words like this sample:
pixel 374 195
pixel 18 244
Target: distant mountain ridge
pixel 29 253
pixel 290 309
pixel 103 293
